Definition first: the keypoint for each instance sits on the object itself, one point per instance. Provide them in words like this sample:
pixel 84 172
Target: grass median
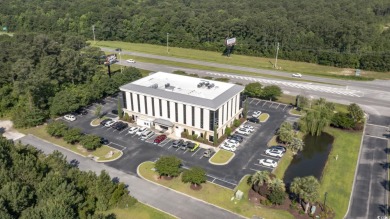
pixel 40 132
pixel 139 211
pixel 283 164
pixel 245 61
pixel 221 157
pixel 263 117
pixel 214 194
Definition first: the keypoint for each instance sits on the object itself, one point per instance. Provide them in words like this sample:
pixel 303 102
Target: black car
pixel 115 112
pixel 185 145
pixel 120 126
pixel 236 137
pixel 177 143
pixel 104 121
pixel 104 141
pixel 82 111
pixel 253 119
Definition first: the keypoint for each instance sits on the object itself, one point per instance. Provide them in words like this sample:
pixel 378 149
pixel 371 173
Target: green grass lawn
pixel 263 117
pixel 215 194
pixel 339 174
pixel 286 99
pixel 96 122
pixel 40 132
pixel 139 211
pixel 241 60
pixel 272 142
pixel 283 164
pixel 221 157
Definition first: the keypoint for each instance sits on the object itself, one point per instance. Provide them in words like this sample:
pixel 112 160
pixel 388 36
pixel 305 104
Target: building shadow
pixel 387 150
pixel 384 209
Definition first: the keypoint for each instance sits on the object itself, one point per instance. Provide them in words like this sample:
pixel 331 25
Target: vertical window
pixel 212 118
pixel 223 111
pixel 185 114
pixel 216 117
pixel 193 115
pixel 124 100
pixel 153 106
pixel 168 110
pixel 231 108
pixel 227 111
pixel 201 118
pixel 131 102
pixel 139 105
pixel 160 106
pixel 176 113
pixel 146 105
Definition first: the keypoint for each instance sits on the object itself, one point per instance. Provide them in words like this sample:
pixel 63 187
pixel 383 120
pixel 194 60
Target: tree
pixel 356 112
pixel 296 145
pixel 271 92
pixel 276 184
pixel 168 166
pixel 277 196
pixel 90 142
pixel 72 135
pixel 253 90
pixel 342 120
pixel 318 117
pixel 306 188
pixel 228 131
pixel 195 175
pixel 302 102
pixel 286 132
pixel 259 179
pixel 120 110
pixel 245 110
pixel 98 110
pixel 56 128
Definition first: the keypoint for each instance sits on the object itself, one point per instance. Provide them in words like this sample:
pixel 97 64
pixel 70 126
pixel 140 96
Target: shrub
pixel 228 131
pixel 126 201
pixel 277 196
pixel 342 120
pixel 236 123
pixel 168 166
pixel 194 137
pixel 90 142
pixel 265 202
pixel 72 136
pixel 56 128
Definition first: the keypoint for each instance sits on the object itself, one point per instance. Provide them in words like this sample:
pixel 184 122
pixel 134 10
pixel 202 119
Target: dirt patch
pixel 168 178
pixel 345 71
pixel 195 187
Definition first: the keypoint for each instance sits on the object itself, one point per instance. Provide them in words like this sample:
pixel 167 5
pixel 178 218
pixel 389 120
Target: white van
pixel 147 135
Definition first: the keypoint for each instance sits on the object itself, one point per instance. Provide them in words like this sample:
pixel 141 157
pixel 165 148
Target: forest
pixel 34 185
pixel 47 75
pixel 342 33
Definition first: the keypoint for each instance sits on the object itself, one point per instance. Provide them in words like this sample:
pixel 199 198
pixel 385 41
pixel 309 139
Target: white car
pixel 297 75
pixel 243 131
pixel 256 114
pixel 268 162
pixel 231 142
pixel 248 127
pixel 133 130
pixel 228 147
pixel 130 61
pixel 70 117
pixel 140 131
pixel 274 152
pixel 110 123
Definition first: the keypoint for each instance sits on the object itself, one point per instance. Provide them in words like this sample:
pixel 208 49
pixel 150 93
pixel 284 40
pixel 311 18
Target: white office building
pixel 176 103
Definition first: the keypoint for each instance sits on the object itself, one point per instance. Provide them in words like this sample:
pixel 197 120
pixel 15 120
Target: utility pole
pixel 93 31
pixel 168 43
pixel 276 58
pixel 120 61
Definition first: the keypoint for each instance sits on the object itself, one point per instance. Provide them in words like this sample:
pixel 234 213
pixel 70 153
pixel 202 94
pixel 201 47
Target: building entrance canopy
pixel 163 122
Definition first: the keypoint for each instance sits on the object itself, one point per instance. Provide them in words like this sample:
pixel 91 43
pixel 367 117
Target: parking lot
pixel 136 151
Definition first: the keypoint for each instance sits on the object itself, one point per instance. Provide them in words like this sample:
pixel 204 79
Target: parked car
pixel 228 147
pixel 70 117
pixel 177 143
pixel 256 114
pixel 279 147
pixel 103 123
pixel 159 139
pixel 82 111
pixel 130 61
pixel 133 130
pixel 268 162
pixel 274 152
pixel 147 135
pixel 104 141
pixel 231 142
pixel 253 119
pixel 110 123
pixel 185 145
pixel 296 75
pixel 193 146
pixel 248 127
pixel 120 126
pixel 140 131
pixel 243 131
pixel 236 137
pixel 115 112
pixel 207 153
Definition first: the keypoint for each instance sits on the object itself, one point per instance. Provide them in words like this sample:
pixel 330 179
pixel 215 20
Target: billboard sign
pixel 110 59
pixel 230 42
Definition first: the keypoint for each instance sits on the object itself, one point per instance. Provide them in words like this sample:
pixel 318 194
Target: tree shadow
pixel 74 163
pixel 115 180
pixel 2 130
pixel 386 184
pixel 384 209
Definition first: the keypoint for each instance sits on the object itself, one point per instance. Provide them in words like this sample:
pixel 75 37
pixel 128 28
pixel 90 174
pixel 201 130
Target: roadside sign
pixel 357 72
pixel 5 28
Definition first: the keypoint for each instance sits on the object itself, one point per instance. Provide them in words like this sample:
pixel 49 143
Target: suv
pixel 253 119
pixel 70 117
pixel 103 123
pixel 193 146
pixel 159 139
pixel 177 143
pixel 147 135
pixel 185 145
pixel 120 126
pixel 236 138
pixel 207 153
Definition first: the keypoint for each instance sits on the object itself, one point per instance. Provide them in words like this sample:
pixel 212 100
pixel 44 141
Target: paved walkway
pixel 159 197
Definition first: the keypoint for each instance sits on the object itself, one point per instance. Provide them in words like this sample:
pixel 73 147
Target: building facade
pixel 174 103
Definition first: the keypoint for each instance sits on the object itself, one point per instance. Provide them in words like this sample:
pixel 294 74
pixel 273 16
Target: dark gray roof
pixel 163 122
pixel 213 104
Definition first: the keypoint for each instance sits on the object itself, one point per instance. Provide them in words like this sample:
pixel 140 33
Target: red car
pixel 159 139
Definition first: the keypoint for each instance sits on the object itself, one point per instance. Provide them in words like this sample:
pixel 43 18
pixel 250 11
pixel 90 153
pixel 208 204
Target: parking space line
pixel 124 130
pixel 270 105
pixel 251 101
pixel 270 156
pixel 178 148
pixel 259 101
pixel 195 152
pixel 216 178
pixel 118 145
pixel 170 146
pixel 254 169
pixel 277 106
pixel 285 107
pixel 264 103
pixel 166 142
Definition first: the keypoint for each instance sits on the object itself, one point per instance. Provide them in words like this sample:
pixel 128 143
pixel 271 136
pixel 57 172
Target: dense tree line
pixel 34 185
pixel 344 33
pixel 49 75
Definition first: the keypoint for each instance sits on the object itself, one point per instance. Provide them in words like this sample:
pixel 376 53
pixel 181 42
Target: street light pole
pixel 120 60
pixel 168 43
pixel 276 57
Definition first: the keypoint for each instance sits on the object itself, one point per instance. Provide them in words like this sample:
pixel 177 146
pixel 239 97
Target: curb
pixel 185 194
pixel 266 119
pixel 356 170
pixel 106 161
pixel 289 112
pixel 221 164
pixel 92 124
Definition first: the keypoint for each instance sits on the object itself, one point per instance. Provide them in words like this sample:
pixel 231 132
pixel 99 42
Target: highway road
pixel 373 96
